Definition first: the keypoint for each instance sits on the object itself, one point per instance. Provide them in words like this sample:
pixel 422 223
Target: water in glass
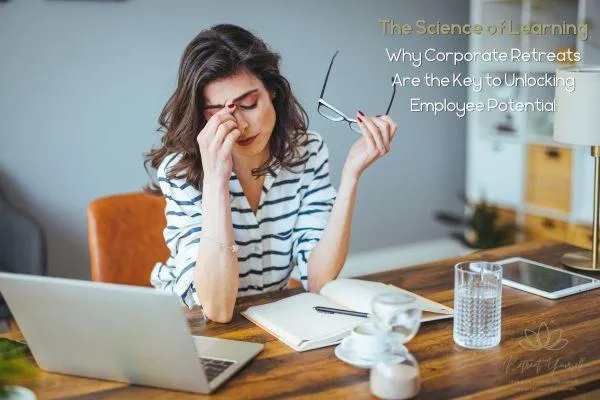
pixel 477 304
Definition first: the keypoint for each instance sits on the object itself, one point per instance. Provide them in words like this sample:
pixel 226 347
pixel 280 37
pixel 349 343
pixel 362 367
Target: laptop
pixel 116 332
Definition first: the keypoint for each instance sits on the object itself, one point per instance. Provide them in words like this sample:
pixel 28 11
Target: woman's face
pixel 254 111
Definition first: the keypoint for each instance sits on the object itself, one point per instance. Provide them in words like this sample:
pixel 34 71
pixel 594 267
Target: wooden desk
pixel 506 371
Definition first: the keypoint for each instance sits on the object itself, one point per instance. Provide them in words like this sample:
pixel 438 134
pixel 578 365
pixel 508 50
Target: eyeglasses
pixel 335 115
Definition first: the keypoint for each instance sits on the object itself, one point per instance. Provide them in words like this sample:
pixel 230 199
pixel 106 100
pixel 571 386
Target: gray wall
pixel 82 84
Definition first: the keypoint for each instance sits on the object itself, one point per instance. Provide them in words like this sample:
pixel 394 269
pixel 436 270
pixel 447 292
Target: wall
pixel 82 84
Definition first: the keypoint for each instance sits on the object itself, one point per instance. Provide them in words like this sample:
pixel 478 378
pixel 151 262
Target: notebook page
pixel 295 322
pixel 430 306
pixel 355 294
pixel 358 295
pixel 430 316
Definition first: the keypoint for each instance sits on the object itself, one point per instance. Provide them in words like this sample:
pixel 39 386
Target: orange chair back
pixel 125 237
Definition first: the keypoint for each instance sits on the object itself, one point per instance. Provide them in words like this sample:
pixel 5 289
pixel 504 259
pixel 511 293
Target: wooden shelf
pixel 510 170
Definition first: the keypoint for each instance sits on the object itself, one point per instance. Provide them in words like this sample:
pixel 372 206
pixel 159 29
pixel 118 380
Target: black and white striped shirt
pixel 293 211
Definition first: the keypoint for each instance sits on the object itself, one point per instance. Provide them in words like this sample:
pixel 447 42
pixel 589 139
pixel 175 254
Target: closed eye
pixel 250 107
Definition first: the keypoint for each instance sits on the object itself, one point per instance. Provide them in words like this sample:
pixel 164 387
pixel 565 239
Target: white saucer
pixel 347 354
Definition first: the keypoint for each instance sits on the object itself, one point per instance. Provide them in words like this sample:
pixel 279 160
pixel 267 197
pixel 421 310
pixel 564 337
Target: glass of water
pixel 477 304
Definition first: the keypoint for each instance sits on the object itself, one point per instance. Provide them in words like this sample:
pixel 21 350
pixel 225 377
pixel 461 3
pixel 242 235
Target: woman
pixel 247 187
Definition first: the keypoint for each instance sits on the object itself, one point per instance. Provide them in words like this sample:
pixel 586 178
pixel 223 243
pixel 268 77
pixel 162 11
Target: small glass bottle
pixel 396 376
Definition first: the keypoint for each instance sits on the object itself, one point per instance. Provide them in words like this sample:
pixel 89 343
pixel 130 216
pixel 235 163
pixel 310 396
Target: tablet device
pixel 544 280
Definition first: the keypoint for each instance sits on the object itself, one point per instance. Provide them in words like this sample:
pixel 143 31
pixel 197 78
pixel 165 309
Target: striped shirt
pixel 292 213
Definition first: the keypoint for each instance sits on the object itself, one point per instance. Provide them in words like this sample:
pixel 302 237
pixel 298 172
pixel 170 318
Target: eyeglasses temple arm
pixel 328 71
pixel 392 99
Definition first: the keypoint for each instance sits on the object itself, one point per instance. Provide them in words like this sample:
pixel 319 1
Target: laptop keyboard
pixel 213 367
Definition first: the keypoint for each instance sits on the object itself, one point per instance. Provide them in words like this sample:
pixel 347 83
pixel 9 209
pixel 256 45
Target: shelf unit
pixel 546 187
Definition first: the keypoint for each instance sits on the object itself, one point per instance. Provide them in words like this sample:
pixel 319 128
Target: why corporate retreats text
pixel 483 76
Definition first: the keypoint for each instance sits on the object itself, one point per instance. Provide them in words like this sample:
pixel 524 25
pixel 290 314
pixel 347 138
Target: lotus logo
pixel 543 339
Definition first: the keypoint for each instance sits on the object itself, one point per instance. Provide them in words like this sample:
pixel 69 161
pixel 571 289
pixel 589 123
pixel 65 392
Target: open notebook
pixel 294 321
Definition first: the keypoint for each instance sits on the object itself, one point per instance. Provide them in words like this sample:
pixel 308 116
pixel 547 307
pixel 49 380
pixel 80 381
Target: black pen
pixel 327 310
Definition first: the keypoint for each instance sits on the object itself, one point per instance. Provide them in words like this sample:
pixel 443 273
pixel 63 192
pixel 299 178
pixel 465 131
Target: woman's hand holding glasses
pixel 216 141
pixel 377 134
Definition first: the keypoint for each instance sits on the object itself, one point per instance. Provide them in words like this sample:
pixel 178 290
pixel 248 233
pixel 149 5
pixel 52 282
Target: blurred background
pixel 82 84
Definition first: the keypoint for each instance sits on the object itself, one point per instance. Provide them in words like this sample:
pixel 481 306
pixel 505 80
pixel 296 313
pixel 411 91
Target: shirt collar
pixel 270 177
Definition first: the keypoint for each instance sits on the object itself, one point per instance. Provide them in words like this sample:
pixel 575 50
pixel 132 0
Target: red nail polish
pixel 359 120
pixel 361 113
pixel 231 105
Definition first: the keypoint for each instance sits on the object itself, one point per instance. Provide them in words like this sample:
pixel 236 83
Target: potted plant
pixel 15 368
pixel 480 227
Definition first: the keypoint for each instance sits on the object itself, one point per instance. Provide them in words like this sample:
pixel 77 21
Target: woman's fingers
pixel 229 141
pixel 374 130
pixel 215 143
pixel 210 129
pixel 223 131
pixel 393 125
pixel 385 129
pixel 366 134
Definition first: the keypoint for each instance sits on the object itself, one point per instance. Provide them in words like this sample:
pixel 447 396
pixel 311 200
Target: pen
pixel 327 310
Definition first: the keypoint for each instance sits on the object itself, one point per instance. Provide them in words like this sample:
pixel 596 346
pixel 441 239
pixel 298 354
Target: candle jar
pixel 395 377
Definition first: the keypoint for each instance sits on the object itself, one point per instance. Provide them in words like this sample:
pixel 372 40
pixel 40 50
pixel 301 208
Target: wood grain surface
pixel 564 362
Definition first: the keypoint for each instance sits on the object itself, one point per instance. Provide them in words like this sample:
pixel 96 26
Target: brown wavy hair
pixel 215 53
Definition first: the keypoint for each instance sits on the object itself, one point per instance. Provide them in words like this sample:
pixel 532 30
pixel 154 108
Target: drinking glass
pixel 397 315
pixel 477 304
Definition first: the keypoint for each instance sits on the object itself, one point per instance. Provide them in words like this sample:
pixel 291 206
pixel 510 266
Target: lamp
pixel 577 121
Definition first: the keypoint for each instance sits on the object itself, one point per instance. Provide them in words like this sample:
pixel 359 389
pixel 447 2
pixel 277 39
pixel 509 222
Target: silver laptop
pixel 117 332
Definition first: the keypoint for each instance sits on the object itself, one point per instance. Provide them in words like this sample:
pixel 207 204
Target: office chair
pixel 125 237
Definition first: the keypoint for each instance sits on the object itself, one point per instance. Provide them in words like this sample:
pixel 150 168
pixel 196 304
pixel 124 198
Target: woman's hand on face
pixel 377 134
pixel 216 141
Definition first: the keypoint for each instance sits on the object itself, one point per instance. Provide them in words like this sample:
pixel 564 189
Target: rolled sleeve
pixel 315 208
pixel 182 236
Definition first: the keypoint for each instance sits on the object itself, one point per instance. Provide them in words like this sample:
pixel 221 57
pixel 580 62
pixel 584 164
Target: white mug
pixel 367 340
